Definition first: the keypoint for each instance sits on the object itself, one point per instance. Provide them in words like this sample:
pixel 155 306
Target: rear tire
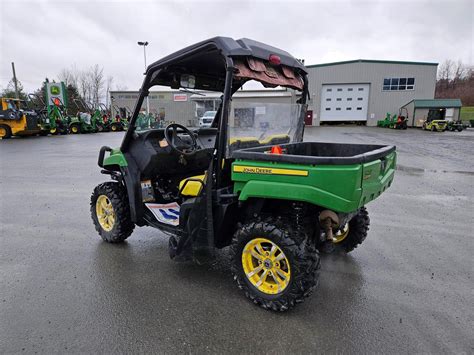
pixel 5 131
pixel 358 228
pixel 300 259
pixel 114 196
pixel 75 129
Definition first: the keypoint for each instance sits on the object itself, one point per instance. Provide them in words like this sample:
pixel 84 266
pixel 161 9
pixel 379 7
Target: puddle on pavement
pixel 415 171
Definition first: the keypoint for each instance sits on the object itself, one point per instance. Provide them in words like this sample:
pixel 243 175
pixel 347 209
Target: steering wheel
pixel 177 143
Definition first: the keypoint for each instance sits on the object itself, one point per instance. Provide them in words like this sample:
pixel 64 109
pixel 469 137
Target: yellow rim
pixel 105 213
pixel 114 128
pixel 341 235
pixel 52 130
pixel 3 132
pixel 266 266
pixel 74 129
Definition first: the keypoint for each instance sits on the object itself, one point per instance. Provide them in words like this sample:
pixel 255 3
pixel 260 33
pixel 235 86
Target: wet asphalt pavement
pixel 408 288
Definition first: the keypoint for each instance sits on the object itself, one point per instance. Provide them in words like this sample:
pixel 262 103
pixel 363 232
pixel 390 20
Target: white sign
pixel 180 97
pixel 260 110
pixel 165 213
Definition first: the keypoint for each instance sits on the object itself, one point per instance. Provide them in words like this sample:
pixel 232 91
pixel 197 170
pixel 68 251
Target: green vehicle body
pixel 454 126
pixel 79 122
pixel 342 188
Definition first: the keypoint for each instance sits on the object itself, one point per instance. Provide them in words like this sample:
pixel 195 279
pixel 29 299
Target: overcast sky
pixel 42 37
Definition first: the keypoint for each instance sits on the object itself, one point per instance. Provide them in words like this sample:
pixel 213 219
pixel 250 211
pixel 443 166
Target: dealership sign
pixel 180 97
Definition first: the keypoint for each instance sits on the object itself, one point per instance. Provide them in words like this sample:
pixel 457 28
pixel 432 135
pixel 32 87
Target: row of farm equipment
pixel 49 115
pixel 400 121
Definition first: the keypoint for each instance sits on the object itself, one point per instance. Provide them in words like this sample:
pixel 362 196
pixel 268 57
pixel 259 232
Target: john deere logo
pixel 55 90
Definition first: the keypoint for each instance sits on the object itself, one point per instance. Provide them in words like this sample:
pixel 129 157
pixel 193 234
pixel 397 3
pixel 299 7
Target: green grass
pixel 467 113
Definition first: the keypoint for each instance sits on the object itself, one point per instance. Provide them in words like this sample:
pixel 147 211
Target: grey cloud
pixel 42 37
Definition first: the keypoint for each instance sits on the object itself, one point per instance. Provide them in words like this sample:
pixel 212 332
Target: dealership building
pixel 365 90
pixel 359 90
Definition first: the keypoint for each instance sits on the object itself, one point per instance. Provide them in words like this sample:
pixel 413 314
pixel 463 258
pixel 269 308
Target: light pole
pixel 144 44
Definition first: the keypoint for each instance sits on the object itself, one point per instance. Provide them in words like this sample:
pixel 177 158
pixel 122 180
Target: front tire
pixel 354 233
pixel 272 265
pixel 5 131
pixel 110 212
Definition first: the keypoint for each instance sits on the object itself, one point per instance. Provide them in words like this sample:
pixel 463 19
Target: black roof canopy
pixel 207 60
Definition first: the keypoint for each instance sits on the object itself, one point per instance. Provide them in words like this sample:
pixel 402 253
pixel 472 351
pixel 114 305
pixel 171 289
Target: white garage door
pixel 344 102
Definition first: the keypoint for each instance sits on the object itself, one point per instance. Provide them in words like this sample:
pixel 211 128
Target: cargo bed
pixel 318 153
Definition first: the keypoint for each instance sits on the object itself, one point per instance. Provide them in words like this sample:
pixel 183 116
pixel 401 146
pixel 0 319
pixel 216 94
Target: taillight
pixel 274 59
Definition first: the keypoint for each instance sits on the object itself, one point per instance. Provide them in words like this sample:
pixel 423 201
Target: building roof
pixel 243 94
pixel 435 103
pixel 369 61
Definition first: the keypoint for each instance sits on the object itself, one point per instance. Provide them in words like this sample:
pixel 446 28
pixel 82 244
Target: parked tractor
pixel 15 122
pixel 84 121
pixel 454 126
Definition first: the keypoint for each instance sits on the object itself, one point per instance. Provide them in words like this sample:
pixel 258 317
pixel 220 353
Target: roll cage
pixel 222 64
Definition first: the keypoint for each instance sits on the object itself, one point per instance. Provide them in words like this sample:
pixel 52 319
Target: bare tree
pixel 459 73
pixel 109 82
pixel 97 82
pixel 70 76
pixel 445 72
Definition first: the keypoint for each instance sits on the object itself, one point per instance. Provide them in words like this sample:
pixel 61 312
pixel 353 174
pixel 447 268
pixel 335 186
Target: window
pixel 161 96
pixel 328 90
pixel 359 108
pixel 398 84
pixel 338 99
pixel 359 99
pixel 349 99
pixel 349 89
pixel 328 109
pixel 348 108
pixel 339 89
pixel 328 99
pixel 360 89
pixel 338 109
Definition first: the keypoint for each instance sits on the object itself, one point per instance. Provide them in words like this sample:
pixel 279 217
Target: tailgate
pixel 377 176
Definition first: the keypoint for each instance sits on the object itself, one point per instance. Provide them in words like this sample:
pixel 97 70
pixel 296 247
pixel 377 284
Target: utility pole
pixel 17 95
pixel 144 44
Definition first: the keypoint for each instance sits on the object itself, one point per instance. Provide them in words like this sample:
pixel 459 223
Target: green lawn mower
pixel 454 126
pixel 84 121
pixel 248 182
pixel 395 121
pixel 121 118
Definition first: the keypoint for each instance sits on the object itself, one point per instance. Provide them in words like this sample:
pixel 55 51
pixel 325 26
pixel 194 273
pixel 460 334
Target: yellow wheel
pixel 74 129
pixel 273 264
pixel 266 266
pixel 53 130
pixel 353 233
pixel 110 212
pixel 105 213
pixel 114 128
pixel 341 235
pixel 5 132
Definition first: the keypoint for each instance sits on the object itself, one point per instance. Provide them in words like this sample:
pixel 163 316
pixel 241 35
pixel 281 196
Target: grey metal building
pixel 365 90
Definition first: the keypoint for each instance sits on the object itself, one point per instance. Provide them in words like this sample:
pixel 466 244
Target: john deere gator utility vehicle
pixel 84 121
pixel 14 121
pixel 248 182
